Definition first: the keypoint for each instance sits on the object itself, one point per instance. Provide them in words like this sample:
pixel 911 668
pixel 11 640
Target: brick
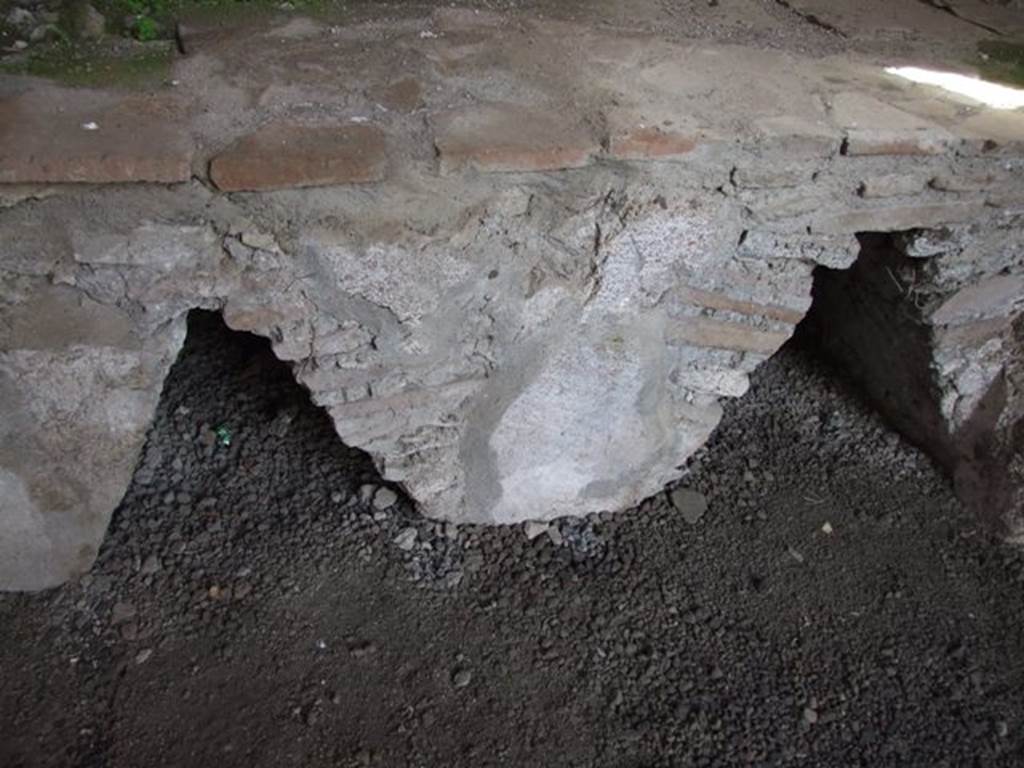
pixel 284 155
pixel 138 138
pixel 969 181
pixel 646 135
pixel 808 137
pixel 872 127
pixel 404 95
pixel 898 217
pixel 770 177
pixel 713 300
pixel 716 334
pixel 508 137
pixel 996 296
pixel 890 185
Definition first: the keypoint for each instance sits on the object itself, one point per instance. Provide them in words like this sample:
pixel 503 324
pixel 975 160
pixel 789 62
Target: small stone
pixel 150 565
pixel 691 504
pixel 19 45
pixel 810 715
pixel 406 540
pixel 474 560
pixel 43 33
pixel 462 678
pixel 533 529
pixel 826 528
pixel 366 493
pixel 362 650
pixel 555 535
pixel 143 656
pixel 19 18
pixel 384 498
pixel 91 24
pixel 260 240
pixel 122 612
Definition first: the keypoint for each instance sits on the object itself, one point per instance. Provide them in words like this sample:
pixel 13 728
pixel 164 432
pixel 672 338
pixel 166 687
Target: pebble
pixel 150 565
pixel 384 498
pixel 691 504
pixel 366 493
pixel 533 529
pixel 555 535
pixel 461 678
pixel 121 612
pixel 810 715
pixel 406 540
pixel 143 656
pixel 19 17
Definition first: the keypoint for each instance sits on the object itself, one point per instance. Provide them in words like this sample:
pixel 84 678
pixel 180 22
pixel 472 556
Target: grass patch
pixel 1003 61
pixel 85 66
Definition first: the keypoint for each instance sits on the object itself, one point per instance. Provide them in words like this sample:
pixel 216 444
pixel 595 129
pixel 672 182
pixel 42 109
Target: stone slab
pixel 77 136
pixel 283 155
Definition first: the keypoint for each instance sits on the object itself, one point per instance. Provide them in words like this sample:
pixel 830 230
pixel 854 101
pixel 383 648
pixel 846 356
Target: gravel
pixel 250 606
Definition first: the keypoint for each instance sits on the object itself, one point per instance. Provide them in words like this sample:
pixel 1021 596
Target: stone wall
pixel 523 292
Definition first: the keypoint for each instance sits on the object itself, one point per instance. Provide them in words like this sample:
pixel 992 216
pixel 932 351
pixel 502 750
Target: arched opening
pixel 927 323
pixel 238 456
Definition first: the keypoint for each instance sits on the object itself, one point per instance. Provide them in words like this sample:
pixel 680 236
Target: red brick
pixel 139 138
pixel 649 132
pixel 507 137
pixel 283 155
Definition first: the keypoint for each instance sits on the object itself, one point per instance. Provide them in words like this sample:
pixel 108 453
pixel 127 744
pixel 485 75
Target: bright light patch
pixel 991 94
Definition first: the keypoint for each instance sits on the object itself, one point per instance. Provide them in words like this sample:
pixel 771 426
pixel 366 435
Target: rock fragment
pixel 691 504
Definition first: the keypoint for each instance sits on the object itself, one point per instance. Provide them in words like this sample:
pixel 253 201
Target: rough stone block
pixel 510 137
pixel 77 402
pixel 284 155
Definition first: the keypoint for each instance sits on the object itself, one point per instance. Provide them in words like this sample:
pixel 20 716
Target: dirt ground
pixel 833 607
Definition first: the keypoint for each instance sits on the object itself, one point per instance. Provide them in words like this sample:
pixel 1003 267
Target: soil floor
pixel 251 607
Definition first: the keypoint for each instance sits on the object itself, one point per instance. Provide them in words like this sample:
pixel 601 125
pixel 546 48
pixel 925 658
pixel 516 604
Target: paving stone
pixel 284 155
pixel 875 128
pixel 510 137
pixel 79 136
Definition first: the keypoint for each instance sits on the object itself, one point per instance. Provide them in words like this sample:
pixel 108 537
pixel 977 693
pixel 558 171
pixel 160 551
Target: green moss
pixel 87 66
pixel 1003 61
pixel 117 62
